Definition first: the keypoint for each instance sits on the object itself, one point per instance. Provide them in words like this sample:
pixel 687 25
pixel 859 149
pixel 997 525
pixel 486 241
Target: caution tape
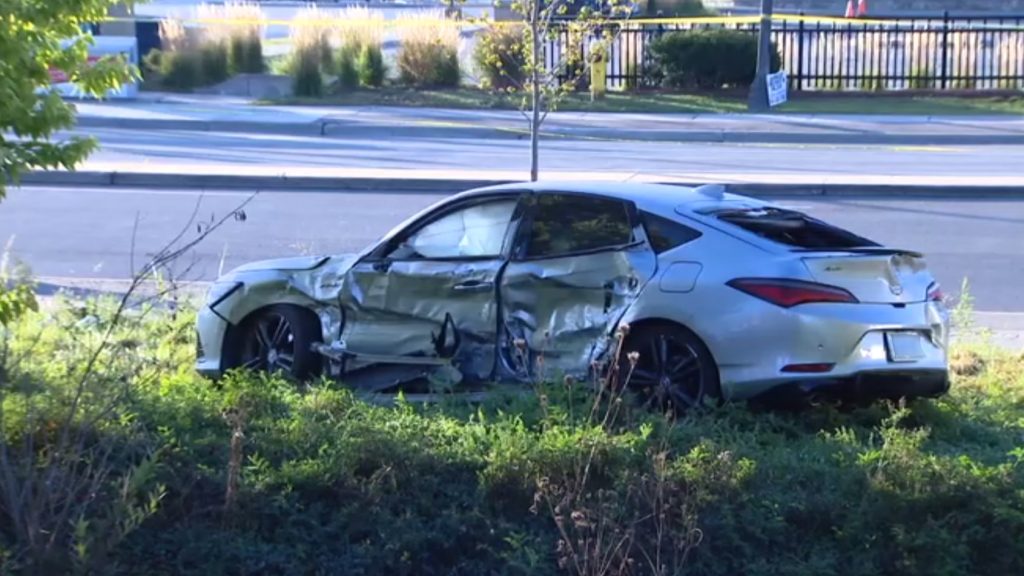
pixel 627 22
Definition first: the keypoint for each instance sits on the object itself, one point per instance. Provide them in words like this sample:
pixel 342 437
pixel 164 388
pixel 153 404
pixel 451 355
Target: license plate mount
pixel 904 346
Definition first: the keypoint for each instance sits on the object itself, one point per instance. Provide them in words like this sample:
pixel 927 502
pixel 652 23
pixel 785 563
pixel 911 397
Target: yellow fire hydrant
pixel 598 71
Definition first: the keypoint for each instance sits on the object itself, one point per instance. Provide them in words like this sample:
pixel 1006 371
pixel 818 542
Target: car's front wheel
pixel 674 370
pixel 277 339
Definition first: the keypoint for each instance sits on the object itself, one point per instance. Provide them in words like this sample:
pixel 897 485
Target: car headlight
pixel 220 292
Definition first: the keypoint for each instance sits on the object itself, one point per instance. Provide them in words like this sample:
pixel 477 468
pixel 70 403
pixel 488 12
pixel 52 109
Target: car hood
pixel 297 263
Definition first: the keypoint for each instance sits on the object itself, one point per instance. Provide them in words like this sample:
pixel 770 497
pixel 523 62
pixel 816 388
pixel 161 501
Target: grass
pixel 253 475
pixel 468 98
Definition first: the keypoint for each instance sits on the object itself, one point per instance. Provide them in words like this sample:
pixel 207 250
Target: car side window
pixel 665 234
pixel 474 231
pixel 566 224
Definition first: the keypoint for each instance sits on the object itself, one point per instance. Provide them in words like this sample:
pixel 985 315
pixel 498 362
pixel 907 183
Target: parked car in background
pixel 725 297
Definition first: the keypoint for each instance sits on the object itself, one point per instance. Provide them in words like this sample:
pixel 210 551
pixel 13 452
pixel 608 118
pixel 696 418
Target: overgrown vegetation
pixel 253 475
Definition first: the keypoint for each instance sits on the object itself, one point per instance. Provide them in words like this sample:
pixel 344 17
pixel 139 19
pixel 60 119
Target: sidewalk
pixel 267 177
pixel 156 111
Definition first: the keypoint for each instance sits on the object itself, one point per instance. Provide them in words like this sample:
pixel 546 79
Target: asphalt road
pixel 511 152
pixel 83 233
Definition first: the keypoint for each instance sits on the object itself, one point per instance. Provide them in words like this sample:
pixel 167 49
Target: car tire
pixel 277 339
pixel 674 370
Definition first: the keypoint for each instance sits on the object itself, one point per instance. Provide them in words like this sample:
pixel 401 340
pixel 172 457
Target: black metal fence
pixel 897 53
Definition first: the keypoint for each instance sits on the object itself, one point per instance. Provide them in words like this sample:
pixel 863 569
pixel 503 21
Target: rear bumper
pixel 867 385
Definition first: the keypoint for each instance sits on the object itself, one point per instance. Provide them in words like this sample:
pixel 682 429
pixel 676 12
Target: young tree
pixel 36 39
pixel 560 40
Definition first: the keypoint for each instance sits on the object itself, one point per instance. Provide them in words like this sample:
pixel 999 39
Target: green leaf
pixel 36 38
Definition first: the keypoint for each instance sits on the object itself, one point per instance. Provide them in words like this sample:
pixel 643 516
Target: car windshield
pixel 791 228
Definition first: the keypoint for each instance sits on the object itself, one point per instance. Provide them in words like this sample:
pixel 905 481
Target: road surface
pixel 87 233
pixel 509 151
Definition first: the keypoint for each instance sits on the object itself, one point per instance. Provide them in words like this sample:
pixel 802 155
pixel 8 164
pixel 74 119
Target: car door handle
pixel 473 286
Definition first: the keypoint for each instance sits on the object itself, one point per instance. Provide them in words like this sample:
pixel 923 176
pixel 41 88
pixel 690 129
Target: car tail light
pixel 788 293
pixel 935 293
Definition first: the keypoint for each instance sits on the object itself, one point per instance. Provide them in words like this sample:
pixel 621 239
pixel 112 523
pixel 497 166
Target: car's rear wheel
pixel 278 339
pixel 674 370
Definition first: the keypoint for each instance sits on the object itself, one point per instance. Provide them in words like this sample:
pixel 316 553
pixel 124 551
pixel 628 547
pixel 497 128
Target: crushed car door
pixel 431 292
pixel 577 263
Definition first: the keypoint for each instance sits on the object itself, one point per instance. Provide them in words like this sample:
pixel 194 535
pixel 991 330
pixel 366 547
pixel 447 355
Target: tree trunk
pixel 535 92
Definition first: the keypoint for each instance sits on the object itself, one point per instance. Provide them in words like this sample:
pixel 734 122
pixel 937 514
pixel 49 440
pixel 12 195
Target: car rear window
pixel 791 228
pixel 665 234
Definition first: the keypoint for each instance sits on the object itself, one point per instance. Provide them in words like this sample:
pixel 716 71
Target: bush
pixel 429 53
pixel 521 485
pixel 501 57
pixel 708 59
pixel 246 54
pixel 371 66
pixel 429 65
pixel 347 68
pixel 307 79
pixel 214 61
pixel 178 69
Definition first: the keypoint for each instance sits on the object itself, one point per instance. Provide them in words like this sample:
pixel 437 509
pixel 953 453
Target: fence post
pixel 945 50
pixel 800 54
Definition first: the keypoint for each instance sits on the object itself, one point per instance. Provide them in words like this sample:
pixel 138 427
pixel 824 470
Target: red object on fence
pixel 851 9
pixel 862 8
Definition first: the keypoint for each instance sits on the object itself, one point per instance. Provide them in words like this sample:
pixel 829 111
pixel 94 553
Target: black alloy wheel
pixel 674 370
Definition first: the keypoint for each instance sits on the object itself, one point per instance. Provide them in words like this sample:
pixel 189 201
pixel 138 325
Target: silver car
pixel 724 297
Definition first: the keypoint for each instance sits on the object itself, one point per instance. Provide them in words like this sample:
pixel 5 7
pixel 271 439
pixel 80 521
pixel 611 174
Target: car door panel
pixel 402 312
pixel 433 293
pixel 562 308
pixel 577 266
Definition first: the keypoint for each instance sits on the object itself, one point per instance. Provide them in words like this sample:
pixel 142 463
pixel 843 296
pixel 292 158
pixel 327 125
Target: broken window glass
pixel 791 228
pixel 566 224
pixel 475 231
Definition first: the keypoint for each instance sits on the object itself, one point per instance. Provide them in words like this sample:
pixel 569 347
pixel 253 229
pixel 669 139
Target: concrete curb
pixel 284 183
pixel 330 127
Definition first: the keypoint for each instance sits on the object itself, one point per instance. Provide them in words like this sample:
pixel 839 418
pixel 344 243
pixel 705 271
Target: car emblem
pixel 896 289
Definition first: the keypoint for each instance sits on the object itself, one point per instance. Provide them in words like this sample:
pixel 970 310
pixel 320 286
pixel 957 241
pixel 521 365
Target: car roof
pixel 661 198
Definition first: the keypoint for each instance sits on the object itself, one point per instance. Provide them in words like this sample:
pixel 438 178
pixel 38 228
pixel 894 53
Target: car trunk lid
pixel 872 275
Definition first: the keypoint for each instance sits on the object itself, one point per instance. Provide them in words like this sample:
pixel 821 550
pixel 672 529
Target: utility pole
pixel 759 89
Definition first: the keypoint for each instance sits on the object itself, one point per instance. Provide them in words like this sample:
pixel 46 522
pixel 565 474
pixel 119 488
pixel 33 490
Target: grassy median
pixel 888 104
pixel 118 459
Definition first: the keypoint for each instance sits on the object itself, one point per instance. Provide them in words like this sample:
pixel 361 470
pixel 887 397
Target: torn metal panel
pixel 400 308
pixel 564 308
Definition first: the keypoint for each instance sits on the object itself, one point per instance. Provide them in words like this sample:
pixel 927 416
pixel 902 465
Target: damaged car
pixel 725 297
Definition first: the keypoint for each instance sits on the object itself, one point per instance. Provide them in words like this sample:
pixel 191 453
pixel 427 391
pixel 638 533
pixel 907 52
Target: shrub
pixel 213 57
pixel 179 69
pixel 307 79
pixel 677 8
pixel 501 57
pixel 371 66
pixel 311 52
pixel 238 25
pixel 246 54
pixel 177 62
pixel 324 480
pixel 347 68
pixel 429 53
pixel 709 59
